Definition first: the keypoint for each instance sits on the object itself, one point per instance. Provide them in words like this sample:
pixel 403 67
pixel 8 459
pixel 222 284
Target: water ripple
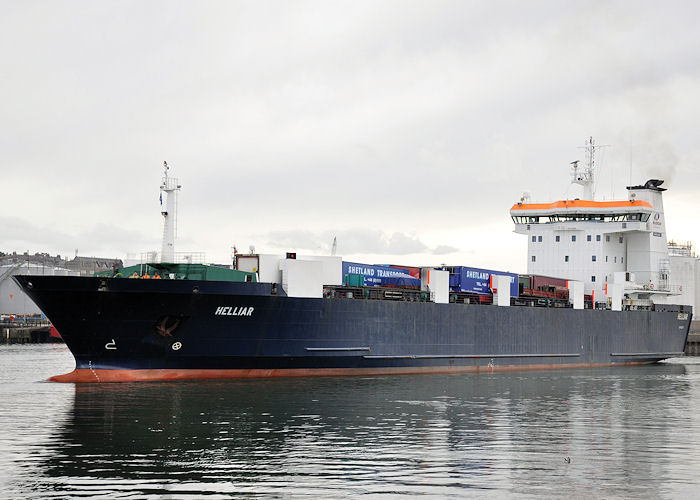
pixel 613 433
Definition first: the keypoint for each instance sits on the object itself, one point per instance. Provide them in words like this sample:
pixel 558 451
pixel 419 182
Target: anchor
pixel 164 330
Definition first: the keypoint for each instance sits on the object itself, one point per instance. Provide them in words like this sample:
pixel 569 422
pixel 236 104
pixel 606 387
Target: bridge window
pixel 590 217
pixel 556 238
pixel 573 237
pixel 539 239
pixel 593 279
pixel 593 257
pixel 597 237
pixel 620 239
pixel 533 258
pixel 566 258
pixel 588 237
pixel 534 238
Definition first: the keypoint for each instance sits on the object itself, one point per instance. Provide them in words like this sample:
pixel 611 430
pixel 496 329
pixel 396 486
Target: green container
pixel 354 280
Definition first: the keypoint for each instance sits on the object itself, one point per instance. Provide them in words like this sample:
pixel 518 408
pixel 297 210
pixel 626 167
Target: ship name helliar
pixel 233 311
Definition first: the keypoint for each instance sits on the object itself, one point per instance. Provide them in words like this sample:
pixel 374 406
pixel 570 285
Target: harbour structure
pixel 285 316
pixel 685 273
pixel 685 278
pixel 13 299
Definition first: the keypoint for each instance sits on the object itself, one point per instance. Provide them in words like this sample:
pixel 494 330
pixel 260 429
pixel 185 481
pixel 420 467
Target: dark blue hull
pixel 187 329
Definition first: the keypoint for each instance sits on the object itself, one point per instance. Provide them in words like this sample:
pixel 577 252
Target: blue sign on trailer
pixel 373 274
pixel 476 280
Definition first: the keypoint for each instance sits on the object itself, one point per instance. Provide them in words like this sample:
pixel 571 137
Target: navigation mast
pixel 585 175
pixel 171 188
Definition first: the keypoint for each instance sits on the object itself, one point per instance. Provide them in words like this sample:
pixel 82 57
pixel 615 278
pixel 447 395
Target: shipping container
pixel 373 274
pixel 477 280
pixel 405 281
pixel 547 281
pixel 543 286
pixel 412 271
pixel 354 280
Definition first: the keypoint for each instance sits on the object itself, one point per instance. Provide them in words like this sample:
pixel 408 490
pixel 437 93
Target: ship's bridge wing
pixel 581 210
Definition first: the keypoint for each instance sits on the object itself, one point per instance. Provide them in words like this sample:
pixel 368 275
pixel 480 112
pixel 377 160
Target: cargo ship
pixel 596 294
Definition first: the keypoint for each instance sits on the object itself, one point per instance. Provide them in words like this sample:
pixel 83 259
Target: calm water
pixel 628 432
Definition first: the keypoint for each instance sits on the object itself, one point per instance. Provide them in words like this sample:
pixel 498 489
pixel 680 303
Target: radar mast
pixel 171 188
pixel 585 175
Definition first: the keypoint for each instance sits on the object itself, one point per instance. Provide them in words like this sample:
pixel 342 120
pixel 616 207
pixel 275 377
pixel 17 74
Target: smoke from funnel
pixel 653 158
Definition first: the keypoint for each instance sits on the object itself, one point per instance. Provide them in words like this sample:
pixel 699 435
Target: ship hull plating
pixel 121 329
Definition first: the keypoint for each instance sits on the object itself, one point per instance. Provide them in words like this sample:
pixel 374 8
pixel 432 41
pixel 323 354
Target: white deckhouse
pixel 600 243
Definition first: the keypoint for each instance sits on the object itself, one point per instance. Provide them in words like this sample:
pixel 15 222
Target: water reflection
pixel 625 431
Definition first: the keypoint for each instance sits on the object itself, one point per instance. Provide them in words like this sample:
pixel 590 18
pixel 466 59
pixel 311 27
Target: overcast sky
pixel 406 129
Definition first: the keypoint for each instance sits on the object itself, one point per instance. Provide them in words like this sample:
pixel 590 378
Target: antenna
pixel 585 176
pixel 335 245
pixel 630 159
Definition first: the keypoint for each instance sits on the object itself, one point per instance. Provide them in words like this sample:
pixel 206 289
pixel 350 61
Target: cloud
pixel 350 241
pixel 400 244
pixel 100 240
pixel 293 239
pixel 444 249
pixel 387 115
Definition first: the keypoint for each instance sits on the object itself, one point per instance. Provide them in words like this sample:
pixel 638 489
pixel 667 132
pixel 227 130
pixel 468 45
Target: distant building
pixel 43 259
pixel 87 266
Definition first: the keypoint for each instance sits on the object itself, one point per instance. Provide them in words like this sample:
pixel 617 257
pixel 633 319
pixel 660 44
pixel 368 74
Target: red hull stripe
pixel 86 375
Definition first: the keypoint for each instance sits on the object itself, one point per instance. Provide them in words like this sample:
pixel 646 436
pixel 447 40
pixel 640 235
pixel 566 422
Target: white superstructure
pixel 600 243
